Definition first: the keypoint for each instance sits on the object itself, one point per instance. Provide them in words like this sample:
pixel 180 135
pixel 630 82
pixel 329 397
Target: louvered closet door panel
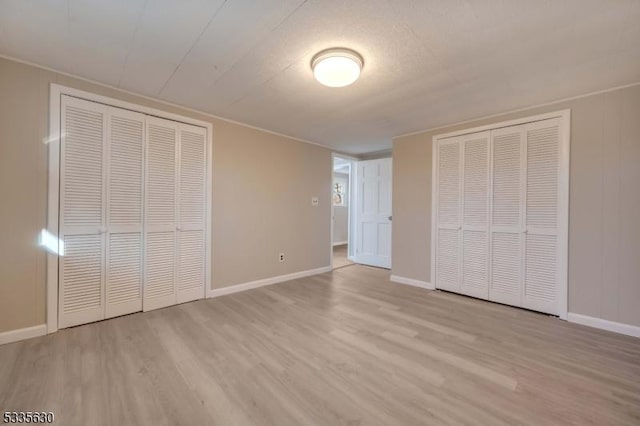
pixel 506 268
pixel 540 290
pixel 82 178
pixel 160 213
pixel 192 176
pixel 448 260
pixel 507 177
pixel 82 278
pixel 475 264
pixel 160 262
pixel 541 237
pixel 125 183
pixel 161 174
pixel 82 221
pixel 448 243
pixel 476 180
pixel 543 149
pixel 449 184
pixel 505 282
pixel 191 266
pixel 192 211
pixel 475 238
pixel 124 273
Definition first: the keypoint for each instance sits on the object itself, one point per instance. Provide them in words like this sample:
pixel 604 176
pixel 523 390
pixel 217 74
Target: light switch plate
pixel 314 201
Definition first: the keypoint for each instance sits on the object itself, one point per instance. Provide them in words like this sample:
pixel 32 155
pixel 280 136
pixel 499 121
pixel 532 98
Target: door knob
pixel 390 217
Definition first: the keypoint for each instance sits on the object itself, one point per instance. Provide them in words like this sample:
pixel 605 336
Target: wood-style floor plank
pixel 346 347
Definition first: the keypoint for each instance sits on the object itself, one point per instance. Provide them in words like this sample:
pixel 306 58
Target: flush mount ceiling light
pixel 337 67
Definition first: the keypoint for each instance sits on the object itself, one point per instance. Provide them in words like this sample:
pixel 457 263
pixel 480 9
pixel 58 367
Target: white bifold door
pixel 501 209
pixel 463 239
pixel 373 213
pixel 101 184
pixel 175 213
pixel 112 210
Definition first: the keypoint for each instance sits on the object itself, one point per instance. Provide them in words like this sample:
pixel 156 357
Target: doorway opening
pixel 341 197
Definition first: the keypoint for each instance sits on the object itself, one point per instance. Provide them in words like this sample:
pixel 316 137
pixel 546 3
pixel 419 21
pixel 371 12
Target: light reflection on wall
pixel 51 243
pixel 49 139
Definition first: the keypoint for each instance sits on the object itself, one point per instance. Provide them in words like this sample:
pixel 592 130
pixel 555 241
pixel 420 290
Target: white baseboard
pixel 340 243
pixel 412 282
pixel 22 333
pixel 616 327
pixel 266 281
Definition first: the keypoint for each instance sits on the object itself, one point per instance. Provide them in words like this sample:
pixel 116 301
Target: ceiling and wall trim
pixel 363 156
pixel 375 155
pixel 160 101
pixel 523 109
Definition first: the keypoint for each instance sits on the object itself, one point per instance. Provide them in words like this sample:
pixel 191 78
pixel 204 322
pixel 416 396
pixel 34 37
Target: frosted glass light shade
pixel 337 67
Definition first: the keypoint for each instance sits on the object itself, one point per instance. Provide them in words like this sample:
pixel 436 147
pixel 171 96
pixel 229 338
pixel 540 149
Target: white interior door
pixel 507 229
pixel 373 213
pixel 192 210
pixel 125 184
pixel 82 218
pixel 160 213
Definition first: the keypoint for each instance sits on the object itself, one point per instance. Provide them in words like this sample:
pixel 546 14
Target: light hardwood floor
pixel 346 347
pixel 340 257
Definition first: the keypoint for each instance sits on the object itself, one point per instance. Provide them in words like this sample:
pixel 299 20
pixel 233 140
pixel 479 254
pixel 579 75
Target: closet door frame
pixel 51 233
pixel 563 194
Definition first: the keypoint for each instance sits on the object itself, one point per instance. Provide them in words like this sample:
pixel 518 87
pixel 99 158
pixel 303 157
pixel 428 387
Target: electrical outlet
pixel 281 257
pixel 314 201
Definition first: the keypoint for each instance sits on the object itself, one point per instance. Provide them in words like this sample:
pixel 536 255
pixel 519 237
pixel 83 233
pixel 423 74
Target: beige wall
pixel 604 212
pixel 263 184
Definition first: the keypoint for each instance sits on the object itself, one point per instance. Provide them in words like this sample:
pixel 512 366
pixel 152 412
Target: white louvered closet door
pixel 160 213
pixel 449 221
pixel 124 239
pixel 507 228
pixel 191 213
pixel 475 215
pixel 541 248
pixel 82 219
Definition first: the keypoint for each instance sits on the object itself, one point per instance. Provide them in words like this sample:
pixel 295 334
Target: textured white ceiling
pixel 427 63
